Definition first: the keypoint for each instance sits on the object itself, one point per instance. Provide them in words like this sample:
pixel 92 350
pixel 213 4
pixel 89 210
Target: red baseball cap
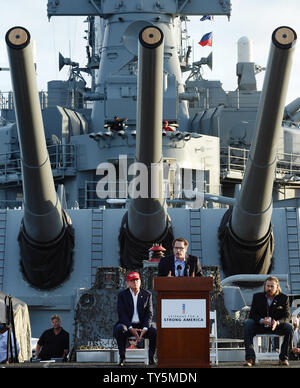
pixel 132 275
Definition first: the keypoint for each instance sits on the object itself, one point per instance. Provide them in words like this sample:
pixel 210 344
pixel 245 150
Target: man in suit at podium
pixel 135 312
pixel 180 263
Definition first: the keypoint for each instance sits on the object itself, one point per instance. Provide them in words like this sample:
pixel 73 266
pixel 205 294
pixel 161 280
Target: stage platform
pixel 74 365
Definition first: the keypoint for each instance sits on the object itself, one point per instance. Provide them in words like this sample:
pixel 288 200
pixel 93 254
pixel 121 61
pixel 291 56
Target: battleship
pixel 222 168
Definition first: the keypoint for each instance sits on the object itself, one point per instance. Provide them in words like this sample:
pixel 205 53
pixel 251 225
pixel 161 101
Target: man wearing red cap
pixel 135 312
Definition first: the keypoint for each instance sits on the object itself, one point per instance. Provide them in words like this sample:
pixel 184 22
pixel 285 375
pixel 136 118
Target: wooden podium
pixel 183 325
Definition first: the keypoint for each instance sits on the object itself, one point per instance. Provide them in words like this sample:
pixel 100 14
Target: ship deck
pixel 138 366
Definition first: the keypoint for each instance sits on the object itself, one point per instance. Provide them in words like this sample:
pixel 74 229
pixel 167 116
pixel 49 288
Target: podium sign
pixel 183 325
pixel 180 313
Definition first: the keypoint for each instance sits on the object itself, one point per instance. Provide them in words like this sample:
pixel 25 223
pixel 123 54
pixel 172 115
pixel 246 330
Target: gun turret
pixel 147 219
pixel 46 237
pixel 245 233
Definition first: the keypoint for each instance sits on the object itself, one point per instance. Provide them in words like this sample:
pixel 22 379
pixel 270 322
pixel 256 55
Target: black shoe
pixel 152 361
pixel 122 361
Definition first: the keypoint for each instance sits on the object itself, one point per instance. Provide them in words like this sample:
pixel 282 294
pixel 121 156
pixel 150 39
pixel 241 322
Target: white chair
pixel 137 355
pixel 213 338
pixel 262 344
pixel 295 323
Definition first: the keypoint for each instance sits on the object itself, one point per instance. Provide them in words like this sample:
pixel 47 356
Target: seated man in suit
pixel 181 263
pixel 135 312
pixel 270 313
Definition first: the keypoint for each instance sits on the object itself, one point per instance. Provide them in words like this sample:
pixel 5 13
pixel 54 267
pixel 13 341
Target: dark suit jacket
pixel 166 265
pixel 125 308
pixel 279 309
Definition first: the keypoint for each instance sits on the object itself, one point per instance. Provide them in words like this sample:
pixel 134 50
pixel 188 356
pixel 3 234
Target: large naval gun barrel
pixel 147 218
pixel 246 236
pixel 45 238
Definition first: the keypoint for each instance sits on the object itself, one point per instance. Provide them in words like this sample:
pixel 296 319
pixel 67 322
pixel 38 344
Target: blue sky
pixel 256 19
pixel 253 18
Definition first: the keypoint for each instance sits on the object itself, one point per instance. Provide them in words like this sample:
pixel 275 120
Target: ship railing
pixel 62 159
pixel 117 195
pixel 71 101
pixel 7 100
pixel 111 195
pixel 288 164
pixel 234 159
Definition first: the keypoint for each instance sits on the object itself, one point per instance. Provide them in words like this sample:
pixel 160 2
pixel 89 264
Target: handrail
pixel 235 159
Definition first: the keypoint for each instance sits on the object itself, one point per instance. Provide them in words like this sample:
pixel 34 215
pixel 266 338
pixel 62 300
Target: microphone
pixel 187 270
pixel 179 268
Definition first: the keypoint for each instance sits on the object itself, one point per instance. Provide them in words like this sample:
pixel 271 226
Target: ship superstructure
pixel 194 163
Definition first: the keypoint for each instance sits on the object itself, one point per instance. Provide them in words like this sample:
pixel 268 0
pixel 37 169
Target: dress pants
pixel 251 328
pixel 122 333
